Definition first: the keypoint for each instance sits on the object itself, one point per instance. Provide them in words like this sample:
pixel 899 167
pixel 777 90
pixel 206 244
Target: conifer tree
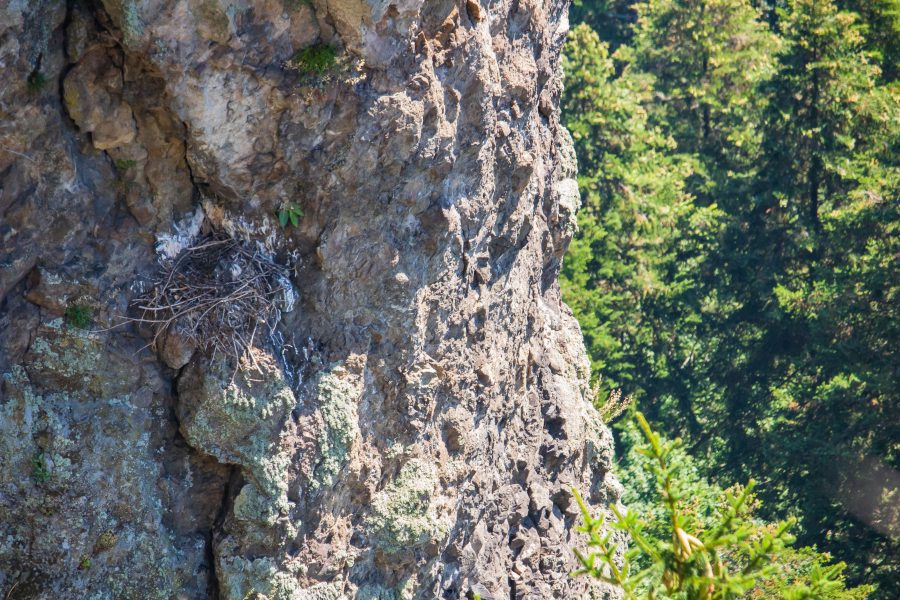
pixel 736 269
pixel 639 230
pixel 829 192
pixel 707 57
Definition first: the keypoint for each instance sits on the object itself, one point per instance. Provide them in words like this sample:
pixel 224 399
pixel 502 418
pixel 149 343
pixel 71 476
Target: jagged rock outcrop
pixel 413 423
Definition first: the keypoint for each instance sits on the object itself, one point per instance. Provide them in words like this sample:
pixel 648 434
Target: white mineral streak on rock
pixel 170 245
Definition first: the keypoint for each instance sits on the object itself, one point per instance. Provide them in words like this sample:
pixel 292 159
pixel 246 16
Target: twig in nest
pixel 215 295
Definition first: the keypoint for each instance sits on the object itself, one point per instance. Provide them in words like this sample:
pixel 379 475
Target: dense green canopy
pixel 737 268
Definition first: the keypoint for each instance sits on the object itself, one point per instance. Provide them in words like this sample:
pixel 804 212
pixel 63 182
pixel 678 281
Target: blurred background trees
pixel 737 268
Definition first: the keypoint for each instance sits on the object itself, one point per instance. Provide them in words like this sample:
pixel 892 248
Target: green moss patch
pixel 317 59
pixel 78 315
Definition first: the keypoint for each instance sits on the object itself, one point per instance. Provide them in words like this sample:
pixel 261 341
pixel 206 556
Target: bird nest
pixel 220 295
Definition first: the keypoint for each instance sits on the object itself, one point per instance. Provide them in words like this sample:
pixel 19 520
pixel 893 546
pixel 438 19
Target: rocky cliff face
pixel 408 418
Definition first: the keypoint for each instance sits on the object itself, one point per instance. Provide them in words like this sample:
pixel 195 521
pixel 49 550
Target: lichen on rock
pixel 252 505
pixel 52 470
pixel 338 395
pixel 403 517
pixel 264 579
pixel 236 415
pixel 67 357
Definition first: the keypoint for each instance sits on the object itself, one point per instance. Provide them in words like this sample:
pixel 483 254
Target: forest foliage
pixel 737 268
pixel 693 540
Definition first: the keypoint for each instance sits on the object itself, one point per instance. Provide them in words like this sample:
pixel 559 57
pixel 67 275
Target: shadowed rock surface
pixel 413 424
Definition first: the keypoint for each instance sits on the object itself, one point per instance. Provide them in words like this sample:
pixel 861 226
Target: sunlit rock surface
pixel 414 425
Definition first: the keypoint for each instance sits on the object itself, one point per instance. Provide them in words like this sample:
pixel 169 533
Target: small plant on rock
pixel 37 81
pixel 614 406
pixel 123 164
pixel 290 212
pixel 39 471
